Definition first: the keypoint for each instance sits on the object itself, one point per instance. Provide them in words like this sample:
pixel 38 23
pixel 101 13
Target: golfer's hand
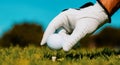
pixel 77 22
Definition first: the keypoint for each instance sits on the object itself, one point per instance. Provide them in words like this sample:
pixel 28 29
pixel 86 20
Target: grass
pixel 32 55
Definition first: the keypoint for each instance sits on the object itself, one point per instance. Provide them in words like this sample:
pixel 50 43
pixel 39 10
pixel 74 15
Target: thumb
pixel 52 27
pixel 56 23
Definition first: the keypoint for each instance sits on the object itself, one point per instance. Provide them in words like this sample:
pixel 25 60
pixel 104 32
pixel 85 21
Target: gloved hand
pixel 78 23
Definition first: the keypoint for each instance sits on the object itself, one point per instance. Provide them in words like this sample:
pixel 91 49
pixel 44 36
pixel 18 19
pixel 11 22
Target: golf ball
pixel 55 41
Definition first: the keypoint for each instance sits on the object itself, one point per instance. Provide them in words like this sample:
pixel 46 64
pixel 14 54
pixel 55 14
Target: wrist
pixel 111 5
pixel 105 10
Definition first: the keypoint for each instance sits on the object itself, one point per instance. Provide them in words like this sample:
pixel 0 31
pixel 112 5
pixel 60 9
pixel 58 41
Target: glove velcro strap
pixel 87 4
pixel 106 11
pixel 83 6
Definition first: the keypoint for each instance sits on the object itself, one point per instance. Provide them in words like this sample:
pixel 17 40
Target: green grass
pixel 32 55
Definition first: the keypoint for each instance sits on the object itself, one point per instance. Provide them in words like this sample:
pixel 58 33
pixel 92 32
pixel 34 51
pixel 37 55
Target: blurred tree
pixel 108 37
pixel 23 35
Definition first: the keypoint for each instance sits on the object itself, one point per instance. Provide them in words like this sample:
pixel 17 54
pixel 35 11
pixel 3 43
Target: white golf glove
pixel 78 23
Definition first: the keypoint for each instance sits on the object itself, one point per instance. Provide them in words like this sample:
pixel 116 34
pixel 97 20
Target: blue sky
pixel 40 11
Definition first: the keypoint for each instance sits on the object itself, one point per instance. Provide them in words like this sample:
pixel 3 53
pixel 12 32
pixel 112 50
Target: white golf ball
pixel 55 41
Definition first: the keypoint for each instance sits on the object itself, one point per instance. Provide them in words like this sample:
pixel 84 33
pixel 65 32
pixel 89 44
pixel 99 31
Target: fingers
pixel 72 39
pixel 56 23
pixel 82 28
